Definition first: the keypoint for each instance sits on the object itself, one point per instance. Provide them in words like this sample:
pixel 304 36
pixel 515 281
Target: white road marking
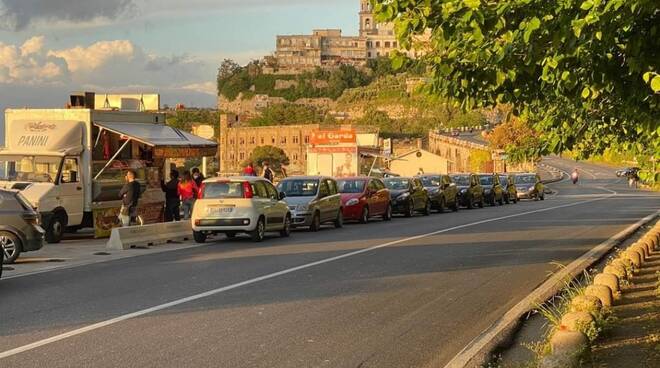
pixel 96 326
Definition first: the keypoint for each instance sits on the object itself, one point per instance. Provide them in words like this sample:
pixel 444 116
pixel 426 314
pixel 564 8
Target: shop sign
pixel 330 137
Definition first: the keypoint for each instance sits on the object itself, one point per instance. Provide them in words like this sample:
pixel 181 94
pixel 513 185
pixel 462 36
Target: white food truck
pixel 70 163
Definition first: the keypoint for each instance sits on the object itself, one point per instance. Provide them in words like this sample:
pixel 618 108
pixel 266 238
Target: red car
pixel 363 198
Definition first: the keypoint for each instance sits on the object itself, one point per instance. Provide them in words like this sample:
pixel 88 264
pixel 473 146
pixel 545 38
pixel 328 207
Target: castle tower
pixel 367 22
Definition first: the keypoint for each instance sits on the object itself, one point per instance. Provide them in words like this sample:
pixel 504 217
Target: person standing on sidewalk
pixel 249 170
pixel 197 177
pixel 188 192
pixel 172 201
pixel 129 194
pixel 268 173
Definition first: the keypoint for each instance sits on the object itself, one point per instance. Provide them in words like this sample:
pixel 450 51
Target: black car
pixel 442 191
pixel 470 191
pixel 508 183
pixel 19 226
pixel 493 193
pixel 408 196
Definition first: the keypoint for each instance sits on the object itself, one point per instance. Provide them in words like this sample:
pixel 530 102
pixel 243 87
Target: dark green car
pixel 442 191
pixel 470 191
pixel 493 193
pixel 529 186
pixel 508 183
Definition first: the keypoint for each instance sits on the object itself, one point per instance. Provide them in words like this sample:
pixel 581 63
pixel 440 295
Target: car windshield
pixel 396 184
pixel 299 187
pixel 526 179
pixel 34 169
pixel 351 186
pixel 430 181
pixel 461 180
pixel 228 189
pixel 486 180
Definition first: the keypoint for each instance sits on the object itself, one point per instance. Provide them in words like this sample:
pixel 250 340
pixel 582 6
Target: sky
pixel 49 48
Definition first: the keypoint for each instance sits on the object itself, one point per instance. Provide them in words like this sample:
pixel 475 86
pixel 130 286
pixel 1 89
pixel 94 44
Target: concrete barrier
pixel 148 235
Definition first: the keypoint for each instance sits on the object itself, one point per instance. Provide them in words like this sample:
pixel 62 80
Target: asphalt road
pixel 409 293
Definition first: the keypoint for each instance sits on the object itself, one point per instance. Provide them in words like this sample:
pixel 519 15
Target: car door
pixel 371 192
pixel 475 188
pixel 334 199
pixel 260 201
pixel 497 187
pixel 278 209
pixel 71 196
pixel 324 200
pixel 448 189
pixel 382 195
pixel 419 193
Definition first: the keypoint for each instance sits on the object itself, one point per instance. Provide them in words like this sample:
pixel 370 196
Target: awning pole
pixel 98 137
pixel 112 158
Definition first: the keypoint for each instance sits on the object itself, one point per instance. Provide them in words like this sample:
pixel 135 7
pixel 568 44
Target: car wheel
pixel 501 201
pixel 470 203
pixel 339 220
pixel 542 196
pixel 11 246
pixel 286 230
pixel 410 211
pixel 454 207
pixel 388 213
pixel 316 223
pixel 364 218
pixel 259 231
pixel 506 199
pixel 442 205
pixel 55 229
pixel 481 202
pixel 230 234
pixel 427 208
pixel 199 237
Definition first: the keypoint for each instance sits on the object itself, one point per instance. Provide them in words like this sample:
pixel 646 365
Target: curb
pixel 477 352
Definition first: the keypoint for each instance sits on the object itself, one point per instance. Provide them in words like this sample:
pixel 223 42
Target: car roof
pixel 429 174
pixel 307 177
pixel 234 178
pixel 460 174
pixel 356 178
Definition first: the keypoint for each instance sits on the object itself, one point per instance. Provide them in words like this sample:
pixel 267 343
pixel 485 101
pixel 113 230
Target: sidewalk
pixel 78 250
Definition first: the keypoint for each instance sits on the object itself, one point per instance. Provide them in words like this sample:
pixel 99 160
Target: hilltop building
pixel 328 47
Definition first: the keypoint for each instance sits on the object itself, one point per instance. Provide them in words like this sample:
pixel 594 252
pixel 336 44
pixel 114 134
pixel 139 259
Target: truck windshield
pixel 33 169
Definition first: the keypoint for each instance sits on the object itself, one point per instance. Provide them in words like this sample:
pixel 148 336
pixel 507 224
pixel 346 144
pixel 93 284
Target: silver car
pixel 312 200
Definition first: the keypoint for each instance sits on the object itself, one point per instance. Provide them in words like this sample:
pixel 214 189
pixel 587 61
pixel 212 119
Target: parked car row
pixel 19 226
pixel 254 206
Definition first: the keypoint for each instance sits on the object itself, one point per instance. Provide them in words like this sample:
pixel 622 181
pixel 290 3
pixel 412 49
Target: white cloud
pixel 29 64
pixel 209 88
pixel 88 59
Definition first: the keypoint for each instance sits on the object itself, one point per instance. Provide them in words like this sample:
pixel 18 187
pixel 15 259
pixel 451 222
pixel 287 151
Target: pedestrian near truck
pixel 188 191
pixel 172 197
pixel 130 195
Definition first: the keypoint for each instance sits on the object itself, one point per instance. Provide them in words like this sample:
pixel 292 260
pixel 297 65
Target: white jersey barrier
pixel 148 235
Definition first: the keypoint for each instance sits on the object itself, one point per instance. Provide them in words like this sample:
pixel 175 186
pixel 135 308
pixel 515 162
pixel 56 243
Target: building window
pixel 394 44
pixel 295 157
pixel 387 44
pixel 306 139
pixel 231 141
pixel 377 44
pixel 305 156
pixel 282 140
pixel 272 140
pixel 368 44
pixel 231 156
pixel 369 54
pixel 378 54
pixel 295 139
pixel 367 23
pixel 262 140
pixel 241 141
pixel 253 140
pixel 241 156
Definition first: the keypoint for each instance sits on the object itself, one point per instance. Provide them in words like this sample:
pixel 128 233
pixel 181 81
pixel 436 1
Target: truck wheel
pixel 199 237
pixel 56 228
pixel 11 246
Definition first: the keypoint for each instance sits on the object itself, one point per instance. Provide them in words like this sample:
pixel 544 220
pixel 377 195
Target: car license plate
pixel 217 211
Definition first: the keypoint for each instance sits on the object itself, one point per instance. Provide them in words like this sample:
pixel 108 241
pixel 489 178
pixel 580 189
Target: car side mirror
pixel 282 195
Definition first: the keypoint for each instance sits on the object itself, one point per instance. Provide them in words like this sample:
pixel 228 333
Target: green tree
pixel 287 114
pixel 584 72
pixel 274 155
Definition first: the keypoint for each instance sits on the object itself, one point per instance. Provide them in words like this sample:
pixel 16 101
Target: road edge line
pixel 475 353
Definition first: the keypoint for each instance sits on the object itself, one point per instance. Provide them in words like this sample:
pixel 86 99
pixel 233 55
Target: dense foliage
pixel 184 119
pixel 584 72
pixel 518 138
pixel 275 156
pixel 287 114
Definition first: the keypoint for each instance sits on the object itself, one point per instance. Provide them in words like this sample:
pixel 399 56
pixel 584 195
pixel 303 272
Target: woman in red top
pixel 188 192
pixel 249 170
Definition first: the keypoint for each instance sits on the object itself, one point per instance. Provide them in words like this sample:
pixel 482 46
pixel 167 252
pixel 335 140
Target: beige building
pixel 328 47
pixel 467 152
pixel 418 161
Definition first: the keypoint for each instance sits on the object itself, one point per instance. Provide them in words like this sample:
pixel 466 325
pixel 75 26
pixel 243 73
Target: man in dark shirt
pixel 172 200
pixel 268 173
pixel 129 195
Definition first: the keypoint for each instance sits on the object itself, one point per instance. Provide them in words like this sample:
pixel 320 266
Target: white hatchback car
pixel 250 205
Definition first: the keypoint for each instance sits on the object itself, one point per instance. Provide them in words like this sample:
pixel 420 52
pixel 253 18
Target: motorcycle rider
pixel 574 176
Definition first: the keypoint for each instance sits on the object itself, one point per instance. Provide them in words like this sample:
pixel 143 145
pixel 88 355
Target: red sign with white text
pixel 328 137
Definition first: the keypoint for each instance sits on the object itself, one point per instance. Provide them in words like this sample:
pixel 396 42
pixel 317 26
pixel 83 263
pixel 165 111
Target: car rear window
pixel 233 189
pixel 461 179
pixel 299 187
pixel 396 184
pixel 431 181
pixel 351 186
pixel 526 179
pixel 486 180
pixel 8 201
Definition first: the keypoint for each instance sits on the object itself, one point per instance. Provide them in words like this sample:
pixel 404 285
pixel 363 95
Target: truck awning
pixel 168 142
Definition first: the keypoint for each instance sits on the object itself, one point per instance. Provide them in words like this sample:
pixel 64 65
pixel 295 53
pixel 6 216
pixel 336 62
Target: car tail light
pixel 198 222
pixel 247 190
pixel 201 190
pixel 31 218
